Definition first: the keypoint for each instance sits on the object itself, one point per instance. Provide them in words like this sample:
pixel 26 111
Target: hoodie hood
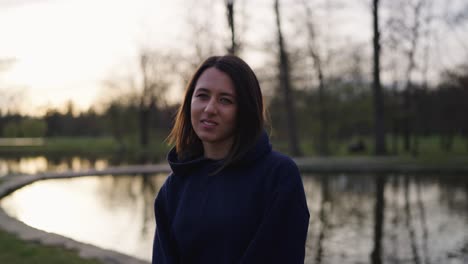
pixel 179 167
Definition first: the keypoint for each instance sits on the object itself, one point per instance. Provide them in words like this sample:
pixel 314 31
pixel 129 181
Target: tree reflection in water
pixel 351 215
pixel 135 191
pixel 355 218
pixel 324 207
pixel 394 217
pixel 376 255
pixel 422 211
pixel 408 222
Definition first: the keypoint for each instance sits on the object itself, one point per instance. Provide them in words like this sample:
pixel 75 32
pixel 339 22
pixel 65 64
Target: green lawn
pixel 16 251
pixel 75 145
pixel 131 150
pixel 91 147
pixel 428 147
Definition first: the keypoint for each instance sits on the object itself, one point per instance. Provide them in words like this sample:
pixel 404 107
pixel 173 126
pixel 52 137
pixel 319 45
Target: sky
pixel 64 49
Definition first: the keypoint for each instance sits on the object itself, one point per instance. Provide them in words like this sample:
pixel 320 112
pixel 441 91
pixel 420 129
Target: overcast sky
pixel 64 49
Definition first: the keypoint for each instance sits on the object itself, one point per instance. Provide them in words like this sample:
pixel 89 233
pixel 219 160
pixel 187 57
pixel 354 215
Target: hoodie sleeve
pixel 282 234
pixel 164 249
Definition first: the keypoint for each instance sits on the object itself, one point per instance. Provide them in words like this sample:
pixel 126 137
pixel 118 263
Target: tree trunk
pixel 230 15
pixel 145 122
pixel 144 110
pixel 323 148
pixel 409 96
pixel 406 119
pixel 379 129
pixel 285 85
pixel 144 127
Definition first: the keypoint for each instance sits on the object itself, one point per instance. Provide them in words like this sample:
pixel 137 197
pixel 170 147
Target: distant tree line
pixel 435 111
pixel 117 120
pixel 318 83
pixel 439 111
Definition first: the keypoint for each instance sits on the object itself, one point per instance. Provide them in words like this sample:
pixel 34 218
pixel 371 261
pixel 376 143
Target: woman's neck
pixel 216 151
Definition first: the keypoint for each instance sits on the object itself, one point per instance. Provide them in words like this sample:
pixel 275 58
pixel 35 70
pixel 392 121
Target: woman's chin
pixel 214 139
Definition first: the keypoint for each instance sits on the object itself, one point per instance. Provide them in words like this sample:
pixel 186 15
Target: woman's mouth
pixel 208 123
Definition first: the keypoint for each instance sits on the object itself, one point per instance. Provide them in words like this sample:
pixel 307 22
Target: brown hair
pixel 250 112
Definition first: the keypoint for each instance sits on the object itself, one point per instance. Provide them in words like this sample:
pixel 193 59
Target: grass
pixel 14 250
pixel 129 149
pixel 429 148
pixel 75 145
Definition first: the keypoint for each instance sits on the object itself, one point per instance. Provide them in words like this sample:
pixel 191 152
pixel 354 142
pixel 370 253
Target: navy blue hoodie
pixel 253 212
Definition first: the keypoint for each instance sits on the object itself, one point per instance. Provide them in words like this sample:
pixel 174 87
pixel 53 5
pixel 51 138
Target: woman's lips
pixel 208 123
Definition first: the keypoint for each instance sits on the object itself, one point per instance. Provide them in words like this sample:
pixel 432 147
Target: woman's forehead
pixel 215 81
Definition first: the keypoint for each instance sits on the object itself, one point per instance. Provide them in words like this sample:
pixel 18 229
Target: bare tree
pixel 285 86
pixel 379 132
pixel 455 17
pixel 313 50
pixel 202 34
pixel 145 87
pixel 230 16
pixel 201 38
pixel 156 71
pixel 408 25
pixel 414 38
pixel 376 255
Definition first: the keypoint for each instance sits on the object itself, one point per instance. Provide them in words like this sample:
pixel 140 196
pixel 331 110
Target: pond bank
pixel 384 164
pixel 312 165
pixel 87 251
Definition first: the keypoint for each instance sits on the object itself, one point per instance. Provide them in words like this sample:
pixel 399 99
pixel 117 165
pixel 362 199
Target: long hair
pixel 250 111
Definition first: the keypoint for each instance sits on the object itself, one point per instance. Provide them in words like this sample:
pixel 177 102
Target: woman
pixel 230 198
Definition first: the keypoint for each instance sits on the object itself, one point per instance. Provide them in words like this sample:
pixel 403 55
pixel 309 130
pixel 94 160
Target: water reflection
pixel 379 209
pixel 387 219
pixel 354 219
pixel 114 212
pixel 37 164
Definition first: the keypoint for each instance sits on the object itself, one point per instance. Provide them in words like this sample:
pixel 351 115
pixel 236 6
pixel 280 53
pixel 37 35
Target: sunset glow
pixel 64 50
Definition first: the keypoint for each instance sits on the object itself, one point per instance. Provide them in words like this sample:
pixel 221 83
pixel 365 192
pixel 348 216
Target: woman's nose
pixel 211 106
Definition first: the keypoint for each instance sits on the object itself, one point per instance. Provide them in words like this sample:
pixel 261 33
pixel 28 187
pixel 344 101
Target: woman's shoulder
pixel 170 183
pixel 283 170
pixel 167 183
pixel 279 160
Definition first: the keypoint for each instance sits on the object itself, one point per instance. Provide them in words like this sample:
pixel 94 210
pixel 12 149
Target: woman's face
pixel 214 109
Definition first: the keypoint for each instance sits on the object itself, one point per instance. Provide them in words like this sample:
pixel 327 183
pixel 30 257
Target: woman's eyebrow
pixel 201 89
pixel 227 94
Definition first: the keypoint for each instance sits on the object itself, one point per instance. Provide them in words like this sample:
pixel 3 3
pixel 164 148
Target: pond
pixel 38 164
pixel 424 219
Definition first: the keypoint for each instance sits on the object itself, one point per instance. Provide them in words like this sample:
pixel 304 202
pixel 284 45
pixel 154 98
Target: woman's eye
pixel 225 101
pixel 202 95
